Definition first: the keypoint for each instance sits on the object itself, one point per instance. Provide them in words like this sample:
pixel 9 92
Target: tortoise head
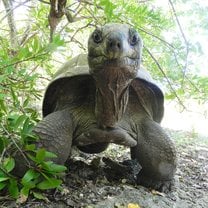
pixel 114 56
pixel 115 45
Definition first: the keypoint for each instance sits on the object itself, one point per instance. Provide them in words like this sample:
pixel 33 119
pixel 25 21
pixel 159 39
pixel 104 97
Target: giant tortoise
pixel 100 98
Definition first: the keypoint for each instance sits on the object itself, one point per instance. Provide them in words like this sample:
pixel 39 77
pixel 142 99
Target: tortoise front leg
pixel 156 154
pixel 55 133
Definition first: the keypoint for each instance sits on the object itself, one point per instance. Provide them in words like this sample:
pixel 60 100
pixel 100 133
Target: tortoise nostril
pixel 111 44
pixel 114 45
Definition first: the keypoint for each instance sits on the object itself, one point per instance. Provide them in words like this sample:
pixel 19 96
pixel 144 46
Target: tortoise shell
pixel 73 84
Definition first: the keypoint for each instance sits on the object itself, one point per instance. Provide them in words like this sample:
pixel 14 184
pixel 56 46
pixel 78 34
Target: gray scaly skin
pixel 111 105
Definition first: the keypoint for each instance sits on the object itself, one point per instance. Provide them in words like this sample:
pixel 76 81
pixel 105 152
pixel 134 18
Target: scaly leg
pixel 55 132
pixel 156 154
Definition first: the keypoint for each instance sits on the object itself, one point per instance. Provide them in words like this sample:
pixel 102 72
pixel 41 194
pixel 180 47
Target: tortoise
pixel 100 98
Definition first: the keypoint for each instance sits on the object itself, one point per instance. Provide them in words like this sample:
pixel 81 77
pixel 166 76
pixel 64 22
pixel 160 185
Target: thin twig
pixel 93 15
pixel 91 4
pixel 160 68
pixel 178 22
pixel 78 6
pixel 14 142
pixel 183 35
pixel 26 38
pixel 45 2
pixel 193 85
pixel 144 1
pixel 11 23
pixel 155 36
pixel 20 4
pixel 81 28
pixel 75 15
pixel 76 41
pixel 24 60
pixel 67 7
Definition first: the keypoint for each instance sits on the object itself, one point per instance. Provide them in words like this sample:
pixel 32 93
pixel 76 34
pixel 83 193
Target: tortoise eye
pixel 97 36
pixel 134 38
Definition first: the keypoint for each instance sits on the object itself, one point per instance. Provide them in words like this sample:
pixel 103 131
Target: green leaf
pixel 31 138
pixel 40 155
pixel 2 96
pixel 26 102
pixel 3 178
pixel 13 188
pixel 12 119
pixel 25 191
pixel 25 129
pixel 23 196
pixel 29 175
pixel 2 78
pixel 50 166
pixel 36 44
pixel 2 185
pixel 15 98
pixel 30 184
pixel 49 183
pixel 57 40
pixel 108 8
pixel 19 121
pixel 23 53
pixel 2 106
pixel 1 145
pixel 50 155
pixel 39 195
pixel 2 174
pixel 30 147
pixel 9 164
pixel 32 157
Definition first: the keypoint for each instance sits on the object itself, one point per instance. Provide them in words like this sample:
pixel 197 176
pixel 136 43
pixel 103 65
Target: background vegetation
pixel 37 37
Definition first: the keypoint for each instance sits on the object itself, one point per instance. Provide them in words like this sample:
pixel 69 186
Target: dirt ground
pixel 95 181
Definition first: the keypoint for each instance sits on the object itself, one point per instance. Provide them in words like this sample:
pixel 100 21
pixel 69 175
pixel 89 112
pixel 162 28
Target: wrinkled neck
pixel 112 93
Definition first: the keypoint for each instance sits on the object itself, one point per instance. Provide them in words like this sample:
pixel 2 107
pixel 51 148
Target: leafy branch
pixel 164 74
pixel 25 60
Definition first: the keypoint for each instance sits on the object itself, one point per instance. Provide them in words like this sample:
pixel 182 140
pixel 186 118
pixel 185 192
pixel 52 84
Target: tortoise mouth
pixel 126 63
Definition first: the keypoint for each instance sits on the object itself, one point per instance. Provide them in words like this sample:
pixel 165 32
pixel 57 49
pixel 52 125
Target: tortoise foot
pixel 164 186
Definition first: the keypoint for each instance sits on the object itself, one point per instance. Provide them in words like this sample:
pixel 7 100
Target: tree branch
pixel 12 9
pixel 155 36
pixel 45 2
pixel 183 35
pixel 57 11
pixel 169 83
pixel 24 60
pixel 10 19
pixel 15 143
